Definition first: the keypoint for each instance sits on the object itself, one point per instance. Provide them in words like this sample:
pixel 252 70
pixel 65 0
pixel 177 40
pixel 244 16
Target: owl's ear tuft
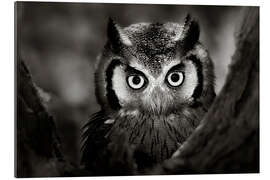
pixel 190 34
pixel 116 35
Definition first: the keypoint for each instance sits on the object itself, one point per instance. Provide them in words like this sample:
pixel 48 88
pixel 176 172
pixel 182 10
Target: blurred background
pixel 59 42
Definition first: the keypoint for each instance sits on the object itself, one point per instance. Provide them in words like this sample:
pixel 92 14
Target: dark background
pixel 60 42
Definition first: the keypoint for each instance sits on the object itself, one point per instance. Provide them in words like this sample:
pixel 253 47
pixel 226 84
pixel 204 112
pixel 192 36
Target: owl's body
pixel 154 83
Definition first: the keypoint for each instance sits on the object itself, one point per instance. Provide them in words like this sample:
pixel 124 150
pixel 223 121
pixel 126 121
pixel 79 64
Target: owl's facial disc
pixel 136 87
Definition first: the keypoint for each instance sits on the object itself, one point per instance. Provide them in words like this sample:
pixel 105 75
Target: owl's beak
pixel 157 100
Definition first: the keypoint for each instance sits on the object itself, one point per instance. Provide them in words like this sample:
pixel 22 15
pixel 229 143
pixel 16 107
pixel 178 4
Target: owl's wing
pixel 104 156
pixel 93 139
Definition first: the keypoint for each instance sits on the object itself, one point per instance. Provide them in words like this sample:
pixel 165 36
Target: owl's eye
pixel 175 79
pixel 136 81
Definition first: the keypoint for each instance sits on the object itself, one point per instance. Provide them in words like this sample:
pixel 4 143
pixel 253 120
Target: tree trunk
pixel 38 146
pixel 227 140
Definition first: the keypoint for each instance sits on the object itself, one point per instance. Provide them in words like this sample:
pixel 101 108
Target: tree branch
pixel 38 145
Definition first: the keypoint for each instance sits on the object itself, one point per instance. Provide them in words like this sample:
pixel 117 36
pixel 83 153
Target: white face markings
pixel 187 87
pixel 156 85
pixel 157 91
pixel 191 80
pixel 119 84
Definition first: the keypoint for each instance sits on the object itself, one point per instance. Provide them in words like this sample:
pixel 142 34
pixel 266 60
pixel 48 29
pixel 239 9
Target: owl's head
pixel 154 68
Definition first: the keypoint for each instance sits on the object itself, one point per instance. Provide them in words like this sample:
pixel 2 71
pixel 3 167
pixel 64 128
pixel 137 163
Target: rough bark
pixel 227 140
pixel 38 146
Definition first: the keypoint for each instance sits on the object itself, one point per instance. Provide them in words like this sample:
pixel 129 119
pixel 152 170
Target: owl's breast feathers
pixel 153 138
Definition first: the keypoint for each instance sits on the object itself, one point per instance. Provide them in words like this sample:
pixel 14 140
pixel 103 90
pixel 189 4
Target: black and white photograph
pixel 113 89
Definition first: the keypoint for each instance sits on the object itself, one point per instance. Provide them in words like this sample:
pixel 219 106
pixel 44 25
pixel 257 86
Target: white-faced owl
pixel 154 83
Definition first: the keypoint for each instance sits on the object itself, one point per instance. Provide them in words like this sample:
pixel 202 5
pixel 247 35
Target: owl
pixel 154 83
